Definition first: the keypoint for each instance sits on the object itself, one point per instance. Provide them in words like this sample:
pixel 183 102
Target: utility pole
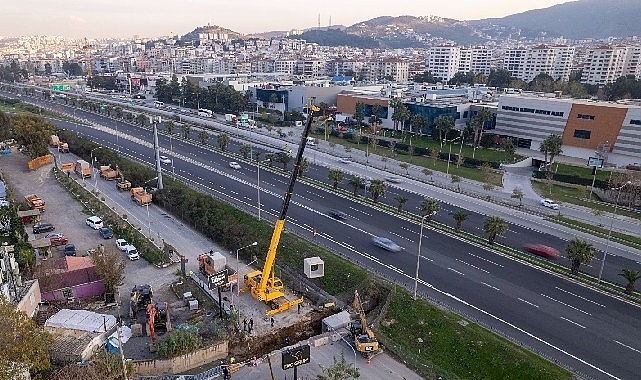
pixel 154 121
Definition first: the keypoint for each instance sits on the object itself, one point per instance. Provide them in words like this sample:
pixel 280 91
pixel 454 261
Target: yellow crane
pixel 264 285
pixel 364 339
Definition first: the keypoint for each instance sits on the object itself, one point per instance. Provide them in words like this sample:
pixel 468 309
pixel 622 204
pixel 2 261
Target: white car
pixel 132 252
pixel 550 204
pixel 4 203
pixel 122 244
pixel 94 222
pixel 344 160
pixel 165 160
pixel 234 165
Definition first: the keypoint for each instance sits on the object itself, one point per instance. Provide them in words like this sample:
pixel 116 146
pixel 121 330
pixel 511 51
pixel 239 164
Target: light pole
pixel 449 156
pixel 237 267
pixel 95 184
pixel 607 245
pixel 418 257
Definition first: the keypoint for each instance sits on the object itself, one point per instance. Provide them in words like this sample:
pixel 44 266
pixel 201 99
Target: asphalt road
pixel 579 328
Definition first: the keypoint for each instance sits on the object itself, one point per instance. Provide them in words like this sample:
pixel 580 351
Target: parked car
pixel 550 204
pixel 70 250
pixel 106 233
pixel 165 160
pixel 43 227
pixel 122 244
pixel 543 250
pixel 94 222
pixel 344 160
pixel 132 252
pixel 386 243
pixel 56 239
pixel 337 214
pixel 234 165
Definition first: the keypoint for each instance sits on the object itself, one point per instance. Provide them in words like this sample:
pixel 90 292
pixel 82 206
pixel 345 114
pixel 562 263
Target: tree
pixel 631 276
pixel 203 136
pixel 551 146
pixel 284 159
pixel 336 176
pixel 356 182
pixel 499 78
pixel 111 268
pixel 303 167
pixel 434 154
pixel 517 193
pixel 377 189
pixel 459 217
pixel 418 123
pixel 579 252
pixel 457 180
pixel 401 202
pixel 341 370
pixel 444 124
pixel 245 149
pixel 223 141
pixel 359 113
pixel 141 119
pixel 509 148
pixel 21 342
pixel 428 172
pixel 478 122
pixel 430 206
pixel 186 129
pixel 169 127
pixel 406 166
pixel 34 131
pixel 494 226
pixel 425 77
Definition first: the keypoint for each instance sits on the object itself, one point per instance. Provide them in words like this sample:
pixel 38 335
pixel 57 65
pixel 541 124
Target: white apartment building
pixel 286 66
pixel 475 59
pixel 527 63
pixel 393 68
pixel 444 61
pixel 604 64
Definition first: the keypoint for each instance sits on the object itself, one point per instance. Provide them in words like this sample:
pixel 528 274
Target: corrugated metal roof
pixel 83 320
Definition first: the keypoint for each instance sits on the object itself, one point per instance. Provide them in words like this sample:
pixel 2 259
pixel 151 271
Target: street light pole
pixel 92 166
pixel 418 257
pixel 607 246
pixel 449 156
pixel 258 183
pixel 237 267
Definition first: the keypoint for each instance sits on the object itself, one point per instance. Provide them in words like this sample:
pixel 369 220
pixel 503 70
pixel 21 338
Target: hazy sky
pixel 153 18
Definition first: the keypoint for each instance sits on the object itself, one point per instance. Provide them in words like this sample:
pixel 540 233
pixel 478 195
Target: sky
pixel 155 18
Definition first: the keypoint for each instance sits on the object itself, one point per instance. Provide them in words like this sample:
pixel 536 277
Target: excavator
pixel 140 297
pixel 364 339
pixel 157 316
pixel 264 285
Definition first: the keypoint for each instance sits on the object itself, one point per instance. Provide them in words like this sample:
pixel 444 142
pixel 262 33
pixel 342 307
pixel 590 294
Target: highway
pixel 594 335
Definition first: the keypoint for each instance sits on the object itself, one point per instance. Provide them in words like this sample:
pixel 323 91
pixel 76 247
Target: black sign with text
pixel 295 357
pixel 217 279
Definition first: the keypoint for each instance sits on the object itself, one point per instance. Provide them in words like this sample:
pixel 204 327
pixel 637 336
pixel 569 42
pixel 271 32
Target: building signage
pixel 217 279
pixel 595 162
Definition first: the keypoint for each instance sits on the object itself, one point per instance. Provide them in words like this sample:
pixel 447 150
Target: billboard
pixel 295 357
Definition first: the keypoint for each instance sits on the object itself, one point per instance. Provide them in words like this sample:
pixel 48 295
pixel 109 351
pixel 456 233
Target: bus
pixel 205 112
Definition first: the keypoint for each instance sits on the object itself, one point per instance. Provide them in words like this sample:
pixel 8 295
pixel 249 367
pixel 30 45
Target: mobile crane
pixel 264 285
pixel 364 339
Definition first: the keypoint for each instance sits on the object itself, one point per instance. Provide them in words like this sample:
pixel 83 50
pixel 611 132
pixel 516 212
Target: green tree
pixel 434 154
pixel 141 119
pixel 245 149
pixel 401 113
pixel 341 370
pixel 405 166
pixel 430 207
pixel 579 252
pixel 178 342
pixel 336 176
pixel 425 77
pixel 517 193
pixel 377 189
pixel 457 180
pixel 551 146
pixel 444 124
pixel 428 172
pixel 34 132
pixel 303 167
pixel 284 159
pixel 631 276
pixel 356 182
pixel 459 217
pixel 223 141
pixel 478 122
pixel 499 78
pixel 169 127
pixel 494 226
pixel 418 123
pixel 111 268
pixel 509 148
pixel 186 129
pixel 401 202
pixel 359 113
pixel 203 136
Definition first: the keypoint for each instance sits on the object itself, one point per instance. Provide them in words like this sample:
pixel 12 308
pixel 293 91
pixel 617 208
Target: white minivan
pixel 311 141
pixel 94 222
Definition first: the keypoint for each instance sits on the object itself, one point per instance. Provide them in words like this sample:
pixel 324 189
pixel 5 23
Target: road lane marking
pixel 572 322
pixel 527 302
pixel 473 266
pixel 484 259
pixel 454 270
pixel 490 286
pixel 401 236
pixel 565 304
pixel 626 346
pixel 578 296
pixel 357 210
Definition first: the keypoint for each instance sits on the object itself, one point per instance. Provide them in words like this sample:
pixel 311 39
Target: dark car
pixel 43 227
pixel 106 233
pixel 337 214
pixel 543 250
pixel 70 250
pixel 139 96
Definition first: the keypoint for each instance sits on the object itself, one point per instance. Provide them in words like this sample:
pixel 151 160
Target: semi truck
pixel 55 141
pixel 35 202
pixel 83 169
pixel 108 173
pixel 140 196
pixel 231 118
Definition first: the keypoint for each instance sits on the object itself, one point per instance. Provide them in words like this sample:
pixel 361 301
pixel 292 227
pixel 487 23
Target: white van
pixel 94 222
pixel 311 141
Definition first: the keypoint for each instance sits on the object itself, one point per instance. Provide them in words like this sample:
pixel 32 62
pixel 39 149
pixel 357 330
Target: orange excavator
pixel 157 316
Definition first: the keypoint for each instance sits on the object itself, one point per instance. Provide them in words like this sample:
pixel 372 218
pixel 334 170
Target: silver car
pixel 386 243
pixel 550 204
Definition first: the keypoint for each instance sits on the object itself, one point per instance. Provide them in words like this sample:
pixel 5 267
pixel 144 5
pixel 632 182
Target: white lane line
pixel 484 259
pixel 233 192
pixel 401 236
pixel 565 304
pixel 357 210
pixel 578 296
pixel 527 302
pixel 572 322
pixel 455 271
pixel 490 286
pixel 473 266
pixel 626 346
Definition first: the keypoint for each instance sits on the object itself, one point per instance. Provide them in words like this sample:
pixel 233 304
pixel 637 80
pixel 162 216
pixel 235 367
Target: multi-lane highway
pixel 590 333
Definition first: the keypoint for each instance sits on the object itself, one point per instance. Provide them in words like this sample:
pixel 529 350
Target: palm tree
pixel 631 276
pixel 517 193
pixel 169 127
pixel 303 167
pixel 186 128
pixel 478 121
pixel 579 252
pixel 356 182
pixel 401 202
pixel 223 141
pixel 459 217
pixel 336 176
pixel 493 227
pixel 284 159
pixel 551 146
pixel 203 136
pixel 430 206
pixel 141 119
pixel 444 124
pixel 245 149
pixel 377 188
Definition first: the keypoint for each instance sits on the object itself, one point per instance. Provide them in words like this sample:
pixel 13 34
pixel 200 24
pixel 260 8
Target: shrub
pixel 177 342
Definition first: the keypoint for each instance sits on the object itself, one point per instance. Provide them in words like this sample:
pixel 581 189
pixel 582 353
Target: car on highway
pixel 234 165
pixel 122 244
pixel 70 250
pixel 106 233
pixel 43 227
pixel 337 214
pixel 549 203
pixel 56 239
pixel 394 179
pixel 386 243
pixel 543 251
pixel 344 160
pixel 165 160
pixel 139 96
pixel 132 252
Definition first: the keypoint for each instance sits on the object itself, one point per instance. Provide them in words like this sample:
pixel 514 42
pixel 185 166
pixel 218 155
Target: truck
pixel 108 173
pixel 63 147
pixel 140 196
pixel 83 169
pixel 231 118
pixel 35 202
pixel 121 183
pixel 214 262
pixel 55 141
